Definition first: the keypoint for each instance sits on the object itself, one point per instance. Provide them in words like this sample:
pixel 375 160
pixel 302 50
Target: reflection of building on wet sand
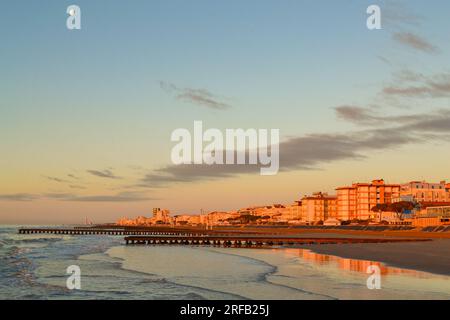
pixel 351 264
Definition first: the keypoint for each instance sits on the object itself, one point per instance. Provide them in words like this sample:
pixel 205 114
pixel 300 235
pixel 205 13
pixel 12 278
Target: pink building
pixel 422 191
pixel 356 201
pixel 318 207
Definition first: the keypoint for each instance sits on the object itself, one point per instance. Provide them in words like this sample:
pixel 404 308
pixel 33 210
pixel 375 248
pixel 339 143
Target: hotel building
pixel 318 207
pixel 422 191
pixel 357 200
pixel 432 216
pixel 294 213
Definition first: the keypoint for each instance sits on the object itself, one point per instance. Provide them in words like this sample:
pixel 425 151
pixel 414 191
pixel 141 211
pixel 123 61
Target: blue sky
pixel 92 98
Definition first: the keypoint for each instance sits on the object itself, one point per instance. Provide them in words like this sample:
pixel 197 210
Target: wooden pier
pixel 251 241
pixel 131 231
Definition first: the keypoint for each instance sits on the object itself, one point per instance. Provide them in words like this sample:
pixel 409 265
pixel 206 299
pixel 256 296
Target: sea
pixel 36 266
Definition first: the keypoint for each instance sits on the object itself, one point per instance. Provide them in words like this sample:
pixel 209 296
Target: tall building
pixel 422 191
pixel 294 212
pixel 318 207
pixel 161 216
pixel 357 200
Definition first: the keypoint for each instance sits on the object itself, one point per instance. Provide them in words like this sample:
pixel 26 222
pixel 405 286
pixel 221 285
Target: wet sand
pixel 431 256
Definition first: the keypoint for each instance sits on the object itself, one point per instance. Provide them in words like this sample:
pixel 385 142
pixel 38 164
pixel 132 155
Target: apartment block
pixel 318 207
pixel 422 191
pixel 357 200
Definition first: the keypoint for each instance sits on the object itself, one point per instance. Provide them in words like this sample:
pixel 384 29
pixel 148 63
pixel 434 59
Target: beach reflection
pixel 353 265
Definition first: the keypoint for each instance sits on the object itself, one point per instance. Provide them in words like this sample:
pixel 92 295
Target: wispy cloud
pixel 418 85
pixel 55 179
pixel 396 15
pixel 18 197
pixel 72 186
pixel 368 117
pixel 403 24
pixel 119 197
pixel 196 96
pixel 414 41
pixel 103 174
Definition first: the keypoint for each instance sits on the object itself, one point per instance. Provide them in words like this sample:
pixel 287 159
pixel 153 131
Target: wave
pixel 264 277
pixel 242 277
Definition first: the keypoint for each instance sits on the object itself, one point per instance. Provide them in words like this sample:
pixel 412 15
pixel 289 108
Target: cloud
pixel 311 151
pixel 396 15
pixel 73 176
pixel 119 197
pixel 414 41
pixel 366 116
pixel 56 179
pixel 18 197
pixel 354 114
pixel 385 60
pixel 397 18
pixel 57 196
pixel 196 96
pixel 419 86
pixel 76 187
pixel 103 174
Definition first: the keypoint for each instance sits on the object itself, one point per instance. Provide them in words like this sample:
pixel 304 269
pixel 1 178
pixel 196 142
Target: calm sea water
pixel 34 267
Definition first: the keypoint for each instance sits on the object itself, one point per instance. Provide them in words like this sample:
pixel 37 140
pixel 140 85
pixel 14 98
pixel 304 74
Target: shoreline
pixel 286 271
pixel 430 257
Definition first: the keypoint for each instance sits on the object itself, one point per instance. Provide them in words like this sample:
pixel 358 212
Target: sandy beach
pixel 276 273
pixel 431 256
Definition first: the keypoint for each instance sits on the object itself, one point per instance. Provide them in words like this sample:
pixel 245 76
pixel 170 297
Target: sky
pixel 86 115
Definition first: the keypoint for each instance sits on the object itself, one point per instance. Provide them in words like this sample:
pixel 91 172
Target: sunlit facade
pixel 422 191
pixel 318 207
pixel 357 200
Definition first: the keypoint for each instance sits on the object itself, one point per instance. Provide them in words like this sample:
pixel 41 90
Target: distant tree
pixel 380 207
pixel 400 207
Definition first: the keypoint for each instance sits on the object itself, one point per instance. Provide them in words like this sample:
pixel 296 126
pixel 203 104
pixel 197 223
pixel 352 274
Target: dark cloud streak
pixel 196 96
pixel 311 151
pixel 18 197
pixel 414 41
pixel 103 174
pixel 420 86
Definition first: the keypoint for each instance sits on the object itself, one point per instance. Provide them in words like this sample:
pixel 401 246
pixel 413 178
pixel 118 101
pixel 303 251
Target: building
pixel 422 191
pixel 318 207
pixel 181 219
pixel 219 218
pixel 161 216
pixel 139 221
pixel 356 201
pixel 293 213
pixel 432 216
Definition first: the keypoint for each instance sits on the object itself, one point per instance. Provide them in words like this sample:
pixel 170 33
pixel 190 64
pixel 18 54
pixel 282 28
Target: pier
pixel 251 241
pixel 131 231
